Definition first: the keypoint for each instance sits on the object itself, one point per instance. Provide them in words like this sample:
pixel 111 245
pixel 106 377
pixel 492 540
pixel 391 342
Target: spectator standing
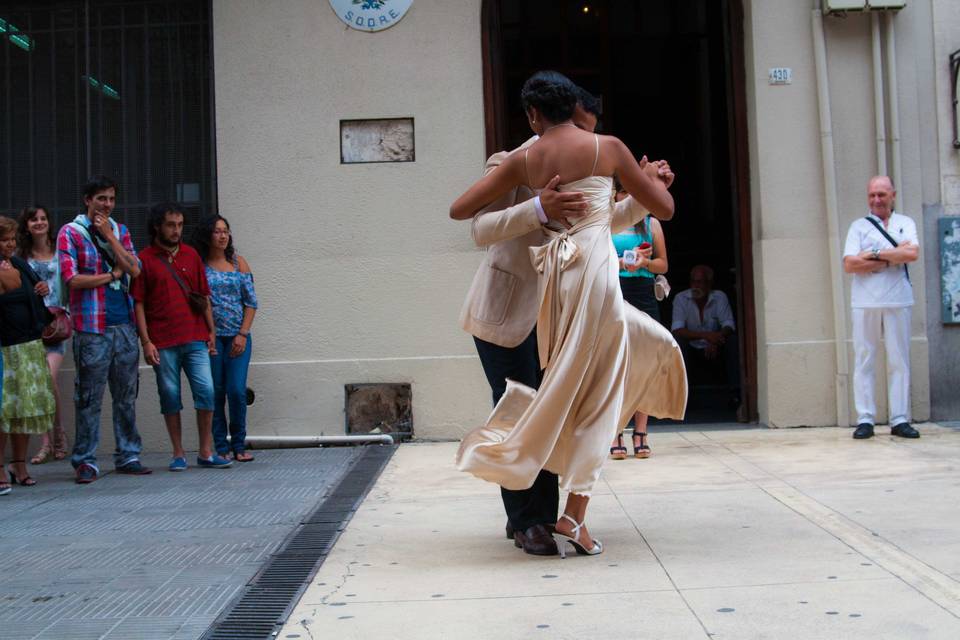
pixel 29 404
pixel 878 248
pixel 97 264
pixel 637 276
pixel 37 245
pixel 704 327
pixel 171 299
pixel 234 302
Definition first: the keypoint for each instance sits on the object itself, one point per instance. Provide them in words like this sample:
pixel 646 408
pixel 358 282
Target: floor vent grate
pixel 266 601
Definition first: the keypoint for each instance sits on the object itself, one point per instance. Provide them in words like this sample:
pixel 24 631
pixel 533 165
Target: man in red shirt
pixel 176 334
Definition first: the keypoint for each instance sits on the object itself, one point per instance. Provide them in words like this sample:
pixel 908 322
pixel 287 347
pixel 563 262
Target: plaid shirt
pixel 78 256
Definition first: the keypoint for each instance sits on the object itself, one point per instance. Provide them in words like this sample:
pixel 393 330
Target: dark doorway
pixel 670 77
pixel 115 87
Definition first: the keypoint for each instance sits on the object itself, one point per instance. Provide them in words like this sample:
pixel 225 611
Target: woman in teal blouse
pixel 637 284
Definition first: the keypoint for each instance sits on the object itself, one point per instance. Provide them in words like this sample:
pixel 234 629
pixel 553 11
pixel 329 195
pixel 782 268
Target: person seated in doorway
pixel 704 327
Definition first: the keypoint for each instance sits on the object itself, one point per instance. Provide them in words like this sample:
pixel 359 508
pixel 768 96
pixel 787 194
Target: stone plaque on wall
pixel 382 140
pixel 949 229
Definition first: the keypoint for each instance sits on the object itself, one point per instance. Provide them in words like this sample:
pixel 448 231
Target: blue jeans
pixel 193 359
pixel 230 385
pixel 111 358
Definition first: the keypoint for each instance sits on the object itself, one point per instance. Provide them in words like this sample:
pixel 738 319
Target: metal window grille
pixel 121 88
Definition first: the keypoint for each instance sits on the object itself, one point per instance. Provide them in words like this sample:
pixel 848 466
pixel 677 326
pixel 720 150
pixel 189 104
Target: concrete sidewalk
pixel 801 533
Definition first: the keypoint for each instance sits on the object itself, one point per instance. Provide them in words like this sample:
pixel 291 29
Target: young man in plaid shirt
pixel 97 264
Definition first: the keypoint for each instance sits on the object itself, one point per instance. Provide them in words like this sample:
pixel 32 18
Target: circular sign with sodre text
pixel 370 15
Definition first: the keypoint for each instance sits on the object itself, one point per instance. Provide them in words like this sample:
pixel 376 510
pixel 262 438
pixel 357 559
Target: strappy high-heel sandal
pixel 595 550
pixel 619 452
pixel 60 445
pixel 643 450
pixel 45 454
pixel 25 482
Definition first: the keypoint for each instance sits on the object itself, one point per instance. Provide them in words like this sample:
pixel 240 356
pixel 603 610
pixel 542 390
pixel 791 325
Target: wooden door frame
pixel 494 106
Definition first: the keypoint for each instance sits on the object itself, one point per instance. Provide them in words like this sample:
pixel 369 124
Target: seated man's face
pixel 699 284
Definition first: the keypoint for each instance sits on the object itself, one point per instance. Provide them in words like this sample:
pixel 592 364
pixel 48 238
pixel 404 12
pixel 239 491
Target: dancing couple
pixel 548 298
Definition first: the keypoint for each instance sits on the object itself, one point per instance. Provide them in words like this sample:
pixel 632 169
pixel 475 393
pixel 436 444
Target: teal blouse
pixel 630 239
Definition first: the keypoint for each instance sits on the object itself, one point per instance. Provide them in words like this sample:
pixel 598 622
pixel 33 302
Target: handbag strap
pixel 890 239
pixel 176 276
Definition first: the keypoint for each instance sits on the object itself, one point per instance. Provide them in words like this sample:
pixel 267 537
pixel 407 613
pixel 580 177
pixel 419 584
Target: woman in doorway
pixel 37 245
pixel 28 402
pixel 646 240
pixel 603 359
pixel 234 303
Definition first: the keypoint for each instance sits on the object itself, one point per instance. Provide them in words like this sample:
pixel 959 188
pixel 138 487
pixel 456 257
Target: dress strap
pixel 525 169
pixel 596 157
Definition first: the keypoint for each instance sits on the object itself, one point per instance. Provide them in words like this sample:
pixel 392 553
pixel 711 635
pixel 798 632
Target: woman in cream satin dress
pixel 603 359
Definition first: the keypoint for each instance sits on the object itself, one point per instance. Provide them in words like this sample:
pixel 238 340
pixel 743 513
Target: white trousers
pixel 892 325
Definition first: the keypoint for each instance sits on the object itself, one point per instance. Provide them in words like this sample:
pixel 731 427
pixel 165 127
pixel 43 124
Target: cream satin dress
pixel 603 358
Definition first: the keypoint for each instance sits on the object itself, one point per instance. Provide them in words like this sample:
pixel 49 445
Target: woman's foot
pixel 242 456
pixel 60 446
pixel 640 447
pixel 45 454
pixel 4 487
pixel 19 475
pixel 568 529
pixel 618 451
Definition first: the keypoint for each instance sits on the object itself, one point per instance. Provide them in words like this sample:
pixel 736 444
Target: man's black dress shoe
pixel 864 430
pixel 536 541
pixel 904 430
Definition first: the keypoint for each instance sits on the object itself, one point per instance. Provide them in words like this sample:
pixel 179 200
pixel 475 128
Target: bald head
pixel 881 196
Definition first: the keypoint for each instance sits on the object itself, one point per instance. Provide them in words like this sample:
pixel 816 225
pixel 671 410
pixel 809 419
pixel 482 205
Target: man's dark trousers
pixel 539 503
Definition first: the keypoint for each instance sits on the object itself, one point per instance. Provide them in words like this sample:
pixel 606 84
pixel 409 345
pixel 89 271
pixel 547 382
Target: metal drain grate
pixel 267 600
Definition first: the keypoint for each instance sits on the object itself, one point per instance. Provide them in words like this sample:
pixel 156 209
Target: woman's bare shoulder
pixel 244 265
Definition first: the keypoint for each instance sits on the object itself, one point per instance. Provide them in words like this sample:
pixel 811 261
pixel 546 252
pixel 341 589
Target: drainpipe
pixel 833 224
pixel 894 107
pixel 300 442
pixel 878 95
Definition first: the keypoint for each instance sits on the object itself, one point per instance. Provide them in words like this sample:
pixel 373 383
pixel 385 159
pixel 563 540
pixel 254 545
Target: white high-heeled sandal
pixel 595 550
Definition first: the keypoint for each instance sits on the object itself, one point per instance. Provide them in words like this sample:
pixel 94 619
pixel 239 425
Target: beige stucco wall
pixel 796 341
pixel 359 271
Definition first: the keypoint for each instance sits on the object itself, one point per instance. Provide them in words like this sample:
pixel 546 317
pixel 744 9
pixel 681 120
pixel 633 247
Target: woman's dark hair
pixel 203 233
pixel 158 214
pixel 24 239
pixel 553 94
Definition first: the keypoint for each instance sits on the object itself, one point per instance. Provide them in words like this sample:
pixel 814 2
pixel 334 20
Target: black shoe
pixel 509 530
pixel 864 430
pixel 904 430
pixel 134 468
pixel 536 541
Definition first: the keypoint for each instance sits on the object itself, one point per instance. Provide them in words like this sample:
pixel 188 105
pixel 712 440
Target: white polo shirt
pixel 888 287
pixel 716 315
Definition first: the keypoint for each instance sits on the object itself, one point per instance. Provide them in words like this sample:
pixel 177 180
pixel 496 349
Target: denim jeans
pixel 194 360
pixel 111 358
pixel 230 387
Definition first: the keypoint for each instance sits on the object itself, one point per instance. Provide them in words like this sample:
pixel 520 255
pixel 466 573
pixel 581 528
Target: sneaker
pixel 864 430
pixel 904 430
pixel 178 464
pixel 214 462
pixel 134 468
pixel 86 473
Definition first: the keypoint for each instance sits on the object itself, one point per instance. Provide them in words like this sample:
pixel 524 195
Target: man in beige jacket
pixel 501 312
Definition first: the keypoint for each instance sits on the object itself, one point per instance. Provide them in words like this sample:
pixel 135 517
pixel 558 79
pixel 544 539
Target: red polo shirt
pixel 170 320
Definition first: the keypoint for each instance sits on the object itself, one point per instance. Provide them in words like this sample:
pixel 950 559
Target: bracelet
pixel 245 334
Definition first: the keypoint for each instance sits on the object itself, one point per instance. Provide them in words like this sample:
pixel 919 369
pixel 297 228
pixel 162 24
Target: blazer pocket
pixel 490 306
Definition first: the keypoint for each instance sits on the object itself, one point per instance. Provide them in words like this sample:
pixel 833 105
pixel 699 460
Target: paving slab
pixel 801 533
pixel 152 557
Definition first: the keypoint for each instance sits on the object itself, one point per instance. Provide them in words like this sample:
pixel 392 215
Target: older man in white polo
pixel 878 249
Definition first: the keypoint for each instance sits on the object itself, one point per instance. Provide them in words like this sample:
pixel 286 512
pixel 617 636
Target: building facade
pixel 360 273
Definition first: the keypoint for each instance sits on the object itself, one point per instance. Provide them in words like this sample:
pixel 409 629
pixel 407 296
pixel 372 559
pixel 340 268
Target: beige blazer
pixel 502 304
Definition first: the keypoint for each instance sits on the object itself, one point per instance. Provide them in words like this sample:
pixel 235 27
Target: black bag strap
pixel 176 276
pixel 890 239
